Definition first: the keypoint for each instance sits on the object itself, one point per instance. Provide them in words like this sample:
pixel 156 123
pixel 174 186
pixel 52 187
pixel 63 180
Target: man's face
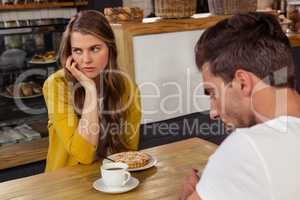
pixel 228 101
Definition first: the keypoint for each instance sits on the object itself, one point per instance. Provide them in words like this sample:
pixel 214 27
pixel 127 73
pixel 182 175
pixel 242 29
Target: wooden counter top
pixel 198 21
pixel 158 25
pixel 161 182
pixel 23 153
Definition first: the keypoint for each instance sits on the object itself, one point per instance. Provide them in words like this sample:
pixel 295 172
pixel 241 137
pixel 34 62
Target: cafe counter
pixel 159 55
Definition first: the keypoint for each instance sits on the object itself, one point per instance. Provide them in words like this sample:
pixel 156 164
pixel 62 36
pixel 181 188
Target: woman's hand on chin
pixel 86 82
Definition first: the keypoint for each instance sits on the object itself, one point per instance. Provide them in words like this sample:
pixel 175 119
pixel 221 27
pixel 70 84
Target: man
pixel 246 64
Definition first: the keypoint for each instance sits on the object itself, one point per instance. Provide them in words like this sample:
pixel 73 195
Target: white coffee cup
pixel 115 174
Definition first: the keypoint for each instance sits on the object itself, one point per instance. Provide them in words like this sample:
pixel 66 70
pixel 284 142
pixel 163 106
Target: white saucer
pixel 131 184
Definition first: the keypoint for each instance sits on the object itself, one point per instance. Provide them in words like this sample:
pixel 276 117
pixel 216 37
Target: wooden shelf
pixel 42 5
pixel 23 153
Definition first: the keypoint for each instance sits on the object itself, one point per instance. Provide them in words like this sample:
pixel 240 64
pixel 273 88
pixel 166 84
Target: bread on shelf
pixel 24 89
pixel 123 14
pixel 46 57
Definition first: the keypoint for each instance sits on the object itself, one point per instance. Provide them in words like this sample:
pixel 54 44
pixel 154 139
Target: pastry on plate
pixel 46 57
pixel 37 58
pixel 134 159
pixel 24 89
pixel 50 55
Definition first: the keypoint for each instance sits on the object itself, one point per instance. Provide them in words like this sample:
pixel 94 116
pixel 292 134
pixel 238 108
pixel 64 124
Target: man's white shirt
pixel 257 163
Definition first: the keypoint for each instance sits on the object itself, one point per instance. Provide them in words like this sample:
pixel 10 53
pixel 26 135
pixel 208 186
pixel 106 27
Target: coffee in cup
pixel 115 174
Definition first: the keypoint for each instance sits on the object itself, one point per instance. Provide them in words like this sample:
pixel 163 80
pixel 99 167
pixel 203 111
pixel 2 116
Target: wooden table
pixel 161 182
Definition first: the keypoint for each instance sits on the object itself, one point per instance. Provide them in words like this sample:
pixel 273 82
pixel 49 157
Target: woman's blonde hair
pixel 94 23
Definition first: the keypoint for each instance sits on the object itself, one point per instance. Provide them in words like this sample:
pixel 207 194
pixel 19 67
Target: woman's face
pixel 90 53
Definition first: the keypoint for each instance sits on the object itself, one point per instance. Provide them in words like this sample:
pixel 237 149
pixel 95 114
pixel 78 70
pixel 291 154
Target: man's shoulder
pixel 249 158
pixel 261 134
pixel 235 140
pixel 235 163
pixel 259 141
pixel 274 129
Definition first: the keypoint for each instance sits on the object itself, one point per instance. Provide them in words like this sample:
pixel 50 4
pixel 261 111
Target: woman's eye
pixel 77 51
pixel 95 49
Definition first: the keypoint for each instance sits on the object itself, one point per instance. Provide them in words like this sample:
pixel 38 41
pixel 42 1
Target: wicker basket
pixel 175 8
pixel 228 7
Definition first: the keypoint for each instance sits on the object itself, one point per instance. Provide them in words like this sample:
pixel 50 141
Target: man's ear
pixel 244 80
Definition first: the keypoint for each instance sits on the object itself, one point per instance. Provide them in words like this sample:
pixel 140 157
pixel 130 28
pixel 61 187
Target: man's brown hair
pixel 251 41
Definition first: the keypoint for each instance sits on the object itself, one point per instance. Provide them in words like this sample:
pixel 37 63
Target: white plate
pixel 152 162
pixel 25 97
pixel 130 185
pixel 43 62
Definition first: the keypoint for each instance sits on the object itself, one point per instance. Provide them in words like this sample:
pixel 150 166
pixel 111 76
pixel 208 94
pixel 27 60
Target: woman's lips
pixel 88 69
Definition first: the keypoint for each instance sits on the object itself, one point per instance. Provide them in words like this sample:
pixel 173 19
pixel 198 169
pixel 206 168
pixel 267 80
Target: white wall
pixel 167 75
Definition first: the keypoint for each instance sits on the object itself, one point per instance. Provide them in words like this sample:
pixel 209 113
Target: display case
pixel 28 55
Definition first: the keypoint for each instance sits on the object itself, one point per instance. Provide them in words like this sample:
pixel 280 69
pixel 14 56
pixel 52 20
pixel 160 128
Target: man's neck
pixel 276 102
pixel 293 103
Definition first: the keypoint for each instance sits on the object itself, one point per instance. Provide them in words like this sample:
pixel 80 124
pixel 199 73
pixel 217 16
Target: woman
pixel 93 108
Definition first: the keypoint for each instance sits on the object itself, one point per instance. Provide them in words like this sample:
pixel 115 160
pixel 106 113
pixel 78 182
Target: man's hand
pixel 189 185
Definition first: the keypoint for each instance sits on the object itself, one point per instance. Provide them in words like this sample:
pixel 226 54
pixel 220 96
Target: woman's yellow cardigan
pixel 66 146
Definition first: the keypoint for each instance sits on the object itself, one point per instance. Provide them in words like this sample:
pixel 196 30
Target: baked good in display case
pixel 23 90
pixel 48 57
pixel 124 14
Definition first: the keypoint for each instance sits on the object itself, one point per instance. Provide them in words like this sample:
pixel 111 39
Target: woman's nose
pixel 86 57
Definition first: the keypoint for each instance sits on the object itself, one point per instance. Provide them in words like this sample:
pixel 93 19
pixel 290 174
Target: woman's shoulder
pixel 56 86
pixel 130 85
pixel 131 93
pixel 57 78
